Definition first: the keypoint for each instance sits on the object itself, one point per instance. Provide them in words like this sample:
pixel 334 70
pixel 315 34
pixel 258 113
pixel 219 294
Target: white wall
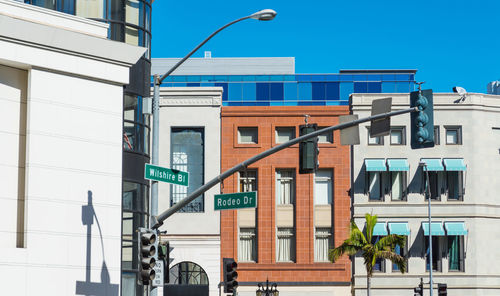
pixel 195 237
pixel 477 115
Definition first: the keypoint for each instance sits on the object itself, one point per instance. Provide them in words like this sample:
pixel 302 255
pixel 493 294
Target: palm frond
pixel 371 221
pixel 390 242
pixel 357 234
pixel 399 260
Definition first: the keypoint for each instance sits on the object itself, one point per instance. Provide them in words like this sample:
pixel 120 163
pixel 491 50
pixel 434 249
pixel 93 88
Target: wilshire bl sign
pixel 235 200
pixel 157 173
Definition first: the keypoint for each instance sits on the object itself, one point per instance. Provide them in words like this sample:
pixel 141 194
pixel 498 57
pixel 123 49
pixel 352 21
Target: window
pixel 375 140
pixel 284 134
pixel 325 137
pixel 136 130
pixel 398 185
pixel 187 150
pixel 375 186
pixel 456 253
pixel 248 181
pixel 247 247
pixel 187 273
pixel 436 255
pixel 434 184
pixel 285 187
pixel 398 135
pixel 402 252
pixel 248 135
pixel 285 247
pixel 323 242
pixel 454 182
pixel 379 263
pixel 453 135
pixel 323 187
pixel 436 135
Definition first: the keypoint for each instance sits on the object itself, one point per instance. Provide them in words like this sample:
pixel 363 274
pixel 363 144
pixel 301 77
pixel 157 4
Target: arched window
pixel 188 273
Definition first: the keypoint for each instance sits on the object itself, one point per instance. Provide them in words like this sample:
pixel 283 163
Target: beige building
pixel 464 166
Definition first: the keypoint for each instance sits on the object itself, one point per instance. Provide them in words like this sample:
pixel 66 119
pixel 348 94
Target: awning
pixel 454 164
pixel 433 164
pixel 380 229
pixel 455 228
pixel 375 165
pixel 437 228
pixel 400 228
pixel 398 165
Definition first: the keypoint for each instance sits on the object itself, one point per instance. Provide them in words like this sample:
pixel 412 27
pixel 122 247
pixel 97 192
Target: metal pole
pixel 428 192
pixel 154 158
pixel 246 163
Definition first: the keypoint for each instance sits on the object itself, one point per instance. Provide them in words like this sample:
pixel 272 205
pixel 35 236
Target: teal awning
pixel 398 165
pixel 375 165
pixel 433 164
pixel 454 164
pixel 380 229
pixel 400 228
pixel 437 228
pixel 455 228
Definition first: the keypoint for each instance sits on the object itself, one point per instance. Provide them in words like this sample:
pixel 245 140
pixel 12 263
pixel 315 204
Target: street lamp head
pixel 264 15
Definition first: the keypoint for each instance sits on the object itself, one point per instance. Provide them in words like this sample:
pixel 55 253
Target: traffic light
pixel 442 290
pixel 419 291
pixel 148 245
pixel 164 254
pixel 308 150
pixel 230 275
pixel 422 121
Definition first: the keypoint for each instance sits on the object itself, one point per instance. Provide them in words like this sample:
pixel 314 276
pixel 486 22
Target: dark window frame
pixel 403 135
pixel 256 128
pixel 291 128
pixel 461 253
pixel 381 139
pixel 383 189
pixel 437 258
pixel 404 180
pixel 437 135
pixel 461 185
pixel 457 128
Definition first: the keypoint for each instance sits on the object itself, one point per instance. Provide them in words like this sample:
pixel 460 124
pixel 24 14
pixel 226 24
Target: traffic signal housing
pixel 419 291
pixel 308 150
pixel 164 255
pixel 442 290
pixel 148 245
pixel 422 121
pixel 230 275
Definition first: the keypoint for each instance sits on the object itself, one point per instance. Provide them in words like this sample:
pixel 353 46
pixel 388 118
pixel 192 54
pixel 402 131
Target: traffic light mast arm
pixel 163 216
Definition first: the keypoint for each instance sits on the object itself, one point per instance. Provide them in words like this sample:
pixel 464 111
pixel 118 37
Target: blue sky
pixel 449 42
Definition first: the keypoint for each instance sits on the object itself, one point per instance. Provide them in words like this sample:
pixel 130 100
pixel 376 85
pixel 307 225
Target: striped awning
pixel 400 228
pixel 455 228
pixel 436 228
pixel 375 165
pixel 454 164
pixel 380 229
pixel 398 165
pixel 433 164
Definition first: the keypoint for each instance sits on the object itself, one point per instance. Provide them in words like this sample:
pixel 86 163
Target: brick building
pixel 298 216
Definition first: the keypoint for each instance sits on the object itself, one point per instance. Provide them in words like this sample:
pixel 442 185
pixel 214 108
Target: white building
pixel 190 141
pixel 464 166
pixel 61 102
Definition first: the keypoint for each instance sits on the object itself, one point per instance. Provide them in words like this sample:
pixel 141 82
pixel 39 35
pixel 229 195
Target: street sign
pixel 381 127
pixel 235 200
pixel 158 280
pixel 157 173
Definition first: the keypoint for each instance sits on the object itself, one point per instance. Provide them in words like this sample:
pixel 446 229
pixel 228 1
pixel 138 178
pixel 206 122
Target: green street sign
pixel 157 173
pixel 235 200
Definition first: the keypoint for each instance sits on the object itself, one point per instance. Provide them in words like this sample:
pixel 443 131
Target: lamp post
pixel 273 291
pixel 423 164
pixel 262 15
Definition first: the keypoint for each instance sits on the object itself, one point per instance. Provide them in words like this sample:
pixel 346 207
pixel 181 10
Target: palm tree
pixel 382 249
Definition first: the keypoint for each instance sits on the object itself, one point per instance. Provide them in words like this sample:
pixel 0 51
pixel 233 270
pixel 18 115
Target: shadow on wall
pixel 88 288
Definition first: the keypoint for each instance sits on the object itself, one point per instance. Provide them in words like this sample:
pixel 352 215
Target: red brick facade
pixel 332 156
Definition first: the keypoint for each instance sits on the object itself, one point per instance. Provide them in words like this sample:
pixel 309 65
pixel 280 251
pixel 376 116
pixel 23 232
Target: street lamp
pixel 267 292
pixel 262 15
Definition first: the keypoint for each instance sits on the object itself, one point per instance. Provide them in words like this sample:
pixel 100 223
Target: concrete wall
pixel 478 115
pixel 194 236
pixel 60 166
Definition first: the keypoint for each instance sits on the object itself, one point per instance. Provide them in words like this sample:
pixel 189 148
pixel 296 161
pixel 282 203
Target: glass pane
pixel 454 252
pixel 128 283
pixel 396 137
pixel 132 36
pixel 284 134
pixel 323 243
pixel 453 185
pixel 285 249
pixel 373 140
pixel 284 187
pixel 325 137
pixel 397 185
pixel 247 246
pixel 247 135
pixel 187 156
pixel 248 181
pixel 50 4
pixel 323 187
pixel 451 136
pixel 375 186
pixel 90 9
